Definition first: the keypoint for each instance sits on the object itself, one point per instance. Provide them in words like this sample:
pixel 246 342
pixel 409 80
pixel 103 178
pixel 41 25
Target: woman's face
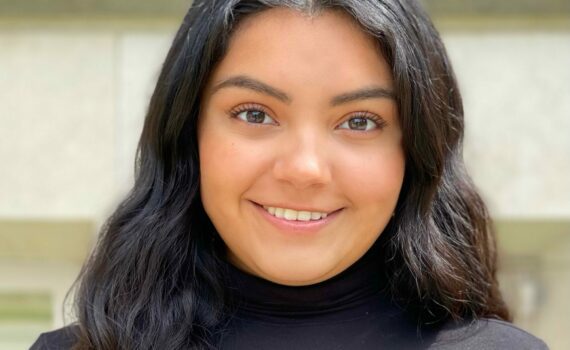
pixel 298 122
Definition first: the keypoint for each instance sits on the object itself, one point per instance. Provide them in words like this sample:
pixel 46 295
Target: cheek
pixel 372 180
pixel 228 165
pixel 216 183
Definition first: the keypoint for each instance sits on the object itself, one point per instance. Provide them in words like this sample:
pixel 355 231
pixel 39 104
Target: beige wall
pixel 517 102
pixel 71 107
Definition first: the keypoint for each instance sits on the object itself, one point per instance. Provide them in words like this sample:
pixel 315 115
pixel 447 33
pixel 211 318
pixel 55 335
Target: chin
pixel 297 273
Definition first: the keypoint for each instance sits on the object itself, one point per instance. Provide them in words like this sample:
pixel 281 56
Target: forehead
pixel 286 47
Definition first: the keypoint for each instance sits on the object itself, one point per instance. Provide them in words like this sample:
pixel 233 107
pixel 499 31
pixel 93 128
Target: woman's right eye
pixel 254 116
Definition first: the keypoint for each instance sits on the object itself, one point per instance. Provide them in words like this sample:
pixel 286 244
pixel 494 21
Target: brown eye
pixel 359 124
pixel 253 116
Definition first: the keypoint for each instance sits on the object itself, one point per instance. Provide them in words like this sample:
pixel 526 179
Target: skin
pixel 305 154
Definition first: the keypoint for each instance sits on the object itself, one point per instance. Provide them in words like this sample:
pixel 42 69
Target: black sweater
pixel 348 311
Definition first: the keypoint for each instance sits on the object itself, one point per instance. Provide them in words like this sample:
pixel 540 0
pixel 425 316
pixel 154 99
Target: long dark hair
pixel 155 279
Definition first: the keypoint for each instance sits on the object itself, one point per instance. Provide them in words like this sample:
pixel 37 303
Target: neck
pixel 358 283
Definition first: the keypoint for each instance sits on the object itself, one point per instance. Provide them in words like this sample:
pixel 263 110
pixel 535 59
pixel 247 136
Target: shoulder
pixel 486 334
pixel 61 339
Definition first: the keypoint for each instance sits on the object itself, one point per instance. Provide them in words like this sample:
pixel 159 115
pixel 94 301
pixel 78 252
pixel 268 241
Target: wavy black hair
pixel 155 279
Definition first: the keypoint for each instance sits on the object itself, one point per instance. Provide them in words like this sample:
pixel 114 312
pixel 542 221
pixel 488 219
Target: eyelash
pixel 379 121
pixel 248 107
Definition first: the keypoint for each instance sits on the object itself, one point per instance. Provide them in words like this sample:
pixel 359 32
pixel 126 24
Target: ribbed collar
pixel 360 282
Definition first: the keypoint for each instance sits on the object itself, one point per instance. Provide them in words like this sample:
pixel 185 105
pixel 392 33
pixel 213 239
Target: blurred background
pixel 75 80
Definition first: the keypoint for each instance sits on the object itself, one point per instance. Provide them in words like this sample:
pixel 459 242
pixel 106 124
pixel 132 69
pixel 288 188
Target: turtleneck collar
pixel 358 283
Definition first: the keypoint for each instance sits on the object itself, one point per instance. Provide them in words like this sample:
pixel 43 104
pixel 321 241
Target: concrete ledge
pixel 526 238
pixel 90 7
pixel 494 7
pixel 37 240
pixel 177 7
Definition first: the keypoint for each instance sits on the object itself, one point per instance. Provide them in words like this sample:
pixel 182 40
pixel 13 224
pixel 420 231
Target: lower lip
pixel 297 227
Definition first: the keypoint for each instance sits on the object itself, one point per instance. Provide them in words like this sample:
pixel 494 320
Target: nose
pixel 302 161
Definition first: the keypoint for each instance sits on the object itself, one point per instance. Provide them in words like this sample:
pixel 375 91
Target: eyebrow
pixel 246 82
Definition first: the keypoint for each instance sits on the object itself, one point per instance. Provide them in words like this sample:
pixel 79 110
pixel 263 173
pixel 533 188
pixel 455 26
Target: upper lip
pixel 298 207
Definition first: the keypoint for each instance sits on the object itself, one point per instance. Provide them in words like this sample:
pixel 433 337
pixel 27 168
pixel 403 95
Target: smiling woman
pixel 300 185
pixel 304 134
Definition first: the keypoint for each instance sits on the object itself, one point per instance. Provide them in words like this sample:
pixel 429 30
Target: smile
pixel 295 215
pixel 291 221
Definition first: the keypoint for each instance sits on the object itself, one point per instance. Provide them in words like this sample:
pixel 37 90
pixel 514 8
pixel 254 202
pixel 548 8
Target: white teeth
pixel 304 216
pixel 290 214
pixel 294 215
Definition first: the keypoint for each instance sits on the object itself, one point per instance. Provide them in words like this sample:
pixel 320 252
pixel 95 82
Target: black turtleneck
pixel 349 311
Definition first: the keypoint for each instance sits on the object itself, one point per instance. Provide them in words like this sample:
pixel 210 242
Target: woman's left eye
pixel 360 123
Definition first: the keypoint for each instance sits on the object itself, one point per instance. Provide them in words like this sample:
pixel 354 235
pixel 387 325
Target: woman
pixel 300 185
